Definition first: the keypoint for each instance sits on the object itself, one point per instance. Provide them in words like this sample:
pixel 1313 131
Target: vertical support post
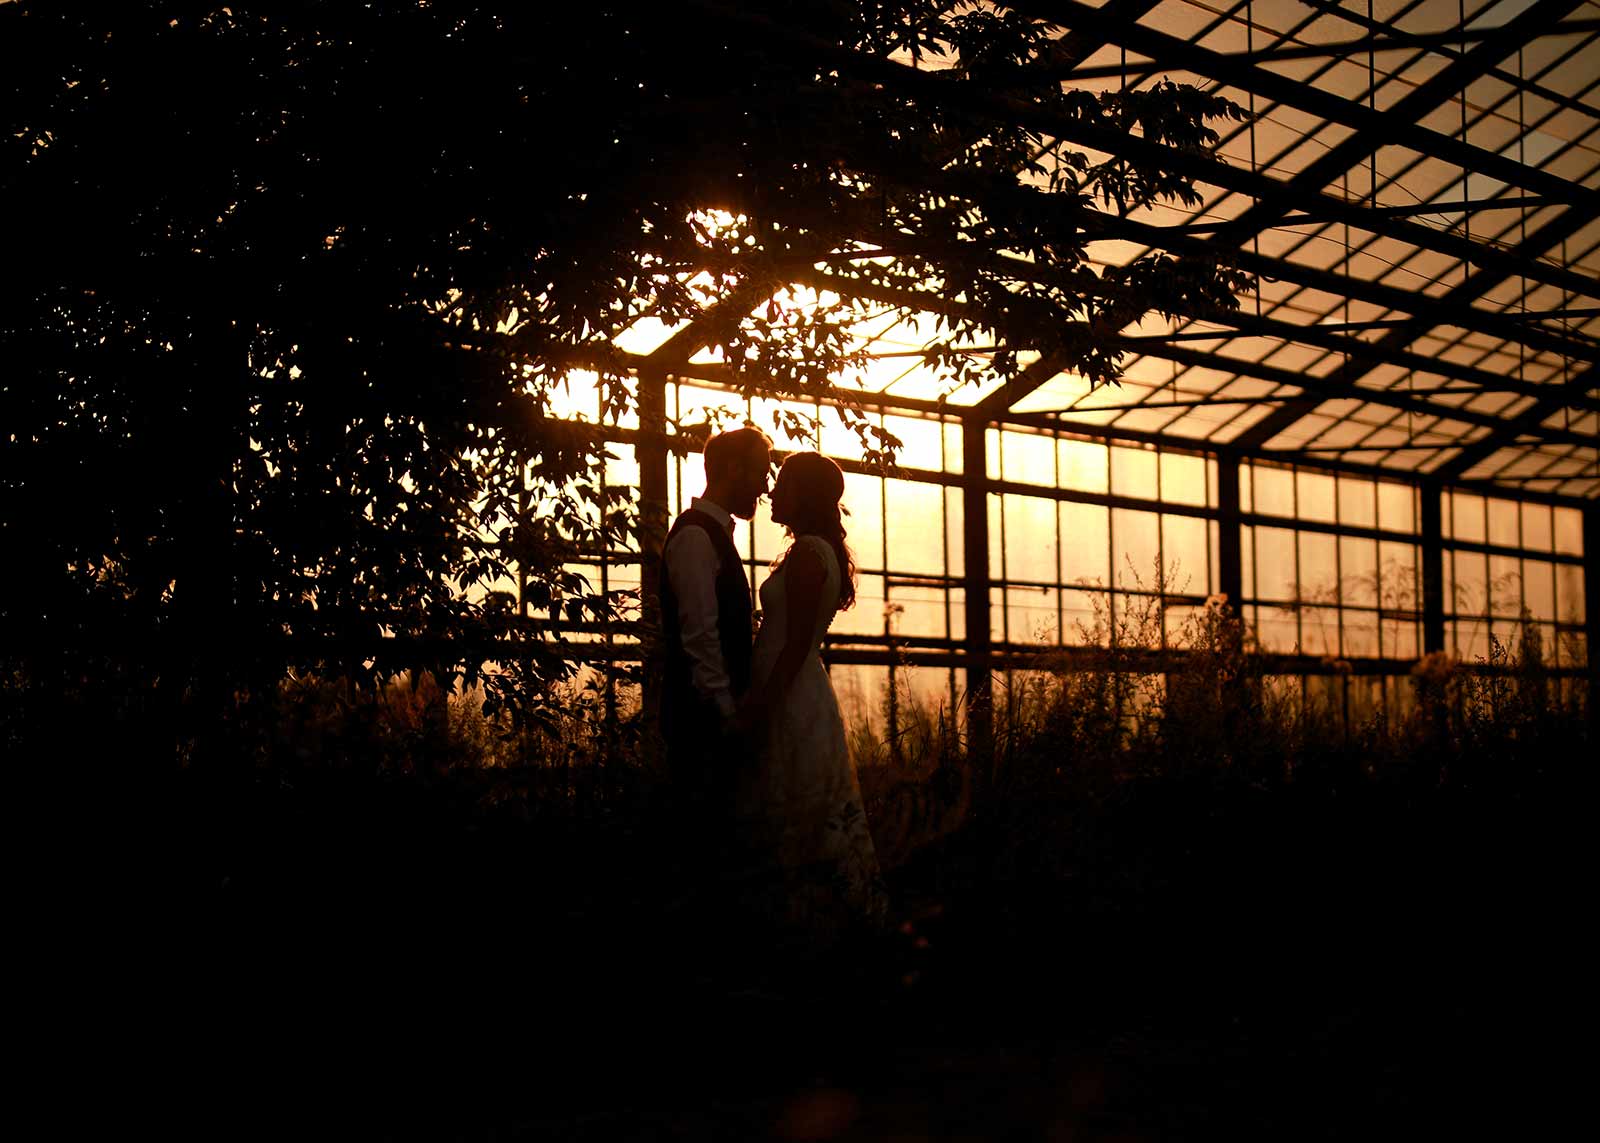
pixel 1230 561
pixel 651 452
pixel 1432 537
pixel 1230 683
pixel 1591 607
pixel 975 557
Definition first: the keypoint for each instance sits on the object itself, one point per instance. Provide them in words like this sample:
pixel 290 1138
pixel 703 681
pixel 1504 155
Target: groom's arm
pixel 692 568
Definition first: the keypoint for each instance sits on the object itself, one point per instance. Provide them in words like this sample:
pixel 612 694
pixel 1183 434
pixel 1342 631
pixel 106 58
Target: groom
pixel 706 628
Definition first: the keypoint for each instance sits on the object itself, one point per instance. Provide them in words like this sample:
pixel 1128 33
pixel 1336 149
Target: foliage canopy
pixel 289 285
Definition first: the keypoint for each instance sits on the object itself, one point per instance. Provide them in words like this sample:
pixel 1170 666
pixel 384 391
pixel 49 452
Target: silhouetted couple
pixel 772 812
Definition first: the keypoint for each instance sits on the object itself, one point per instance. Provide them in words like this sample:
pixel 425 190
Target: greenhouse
pixel 1388 450
pixel 1213 389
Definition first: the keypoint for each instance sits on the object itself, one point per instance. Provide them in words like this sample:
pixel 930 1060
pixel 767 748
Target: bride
pixel 800 800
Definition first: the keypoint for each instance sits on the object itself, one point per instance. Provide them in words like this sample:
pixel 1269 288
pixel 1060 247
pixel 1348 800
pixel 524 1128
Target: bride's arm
pixel 803 578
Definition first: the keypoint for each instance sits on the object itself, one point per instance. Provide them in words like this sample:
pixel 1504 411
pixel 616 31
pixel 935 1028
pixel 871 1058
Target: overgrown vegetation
pixel 1183 872
pixel 1132 718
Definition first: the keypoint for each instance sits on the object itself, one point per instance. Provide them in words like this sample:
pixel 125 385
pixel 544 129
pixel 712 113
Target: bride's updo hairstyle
pixel 818 486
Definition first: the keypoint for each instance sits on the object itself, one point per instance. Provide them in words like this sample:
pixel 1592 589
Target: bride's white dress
pixel 801 800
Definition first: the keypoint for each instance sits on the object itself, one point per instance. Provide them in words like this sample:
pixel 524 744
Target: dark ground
pixel 324 954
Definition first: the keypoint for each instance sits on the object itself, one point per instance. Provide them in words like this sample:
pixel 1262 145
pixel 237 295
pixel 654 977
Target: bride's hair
pixel 819 485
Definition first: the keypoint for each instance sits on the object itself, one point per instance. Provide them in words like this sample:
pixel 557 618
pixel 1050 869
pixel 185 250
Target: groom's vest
pixel 685 716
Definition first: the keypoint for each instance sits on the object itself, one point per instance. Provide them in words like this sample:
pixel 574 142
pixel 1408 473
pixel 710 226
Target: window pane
pixel 1469 589
pixel 866 617
pixel 1180 620
pixel 1505 585
pixel 1398 589
pixel 1399 638
pixel 1133 472
pixel 1028 458
pixel 920 612
pixel 1136 541
pixel 1030 538
pixel 1316 496
pixel 1358 571
pixel 1275 559
pixel 927 688
pixel 1031 615
pixel 919 439
pixel 1360 634
pixel 838 438
pixel 1136 538
pixel 1569 531
pixel 860 689
pixel 1503 523
pixel 1183 548
pixel 1319 631
pixel 1467 517
pixel 1357 502
pixel 1539 589
pixel 1183 479
pixel 955 534
pixel 1084 616
pixel 1084 466
pixel 913 530
pixel 1319 572
pixel 1569 594
pixel 1274 491
pixel 1085 543
pixel 863 495
pixel 952 447
pixel 1471 639
pixel 1276 630
pixel 1536 527
pixel 1396 507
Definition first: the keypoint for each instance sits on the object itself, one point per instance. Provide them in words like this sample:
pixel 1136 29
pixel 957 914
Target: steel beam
pixel 1328 388
pixel 1474 286
pixel 1431 541
pixel 1333 388
pixel 1398 125
pixel 975 562
pixel 1507 433
pixel 1591 613
pixel 1390 40
pixel 1230 559
pixel 721 377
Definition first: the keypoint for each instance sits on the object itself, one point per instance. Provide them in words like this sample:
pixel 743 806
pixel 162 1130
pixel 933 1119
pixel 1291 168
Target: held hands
pixel 749 722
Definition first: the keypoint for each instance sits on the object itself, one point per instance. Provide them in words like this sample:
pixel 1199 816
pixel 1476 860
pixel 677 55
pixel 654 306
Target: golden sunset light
pixel 879 569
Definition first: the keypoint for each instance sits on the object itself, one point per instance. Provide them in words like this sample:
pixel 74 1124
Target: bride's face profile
pixel 807 483
pixel 782 498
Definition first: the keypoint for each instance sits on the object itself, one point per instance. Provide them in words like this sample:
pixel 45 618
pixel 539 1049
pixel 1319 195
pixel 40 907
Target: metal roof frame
pixel 1495 280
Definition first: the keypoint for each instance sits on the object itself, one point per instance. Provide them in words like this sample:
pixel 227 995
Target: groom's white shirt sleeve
pixel 692 566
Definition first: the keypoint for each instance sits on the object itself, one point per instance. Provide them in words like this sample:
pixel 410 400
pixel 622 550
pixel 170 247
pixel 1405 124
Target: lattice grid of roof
pixel 1419 190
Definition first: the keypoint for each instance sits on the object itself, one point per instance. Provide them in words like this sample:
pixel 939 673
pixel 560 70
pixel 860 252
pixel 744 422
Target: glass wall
pixel 1507 561
pixel 1090 541
pixel 1330 564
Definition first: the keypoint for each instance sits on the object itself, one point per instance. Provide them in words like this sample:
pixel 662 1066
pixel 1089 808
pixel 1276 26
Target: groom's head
pixel 737 464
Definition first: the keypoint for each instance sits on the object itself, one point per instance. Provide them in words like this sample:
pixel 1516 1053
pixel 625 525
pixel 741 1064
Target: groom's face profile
pixel 737 464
